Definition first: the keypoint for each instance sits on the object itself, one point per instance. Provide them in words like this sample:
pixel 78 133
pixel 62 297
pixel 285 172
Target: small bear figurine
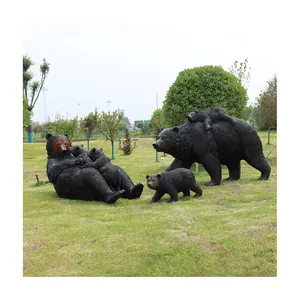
pixel 209 116
pixel 172 183
pixel 115 176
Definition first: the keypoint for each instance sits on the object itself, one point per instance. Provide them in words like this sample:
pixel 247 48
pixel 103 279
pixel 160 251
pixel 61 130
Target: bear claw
pixel 136 191
pixel 114 197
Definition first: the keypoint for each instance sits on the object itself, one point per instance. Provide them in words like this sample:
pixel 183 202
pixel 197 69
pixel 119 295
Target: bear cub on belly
pixel 172 183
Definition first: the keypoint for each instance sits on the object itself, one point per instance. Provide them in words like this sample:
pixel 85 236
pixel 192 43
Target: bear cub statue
pixel 172 183
pixel 209 116
pixel 79 152
pixel 102 163
pixel 115 176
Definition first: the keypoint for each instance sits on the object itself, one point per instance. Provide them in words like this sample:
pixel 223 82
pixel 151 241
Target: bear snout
pixel 154 145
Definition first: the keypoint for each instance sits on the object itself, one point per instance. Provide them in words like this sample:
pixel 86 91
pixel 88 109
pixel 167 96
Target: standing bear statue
pixel 224 144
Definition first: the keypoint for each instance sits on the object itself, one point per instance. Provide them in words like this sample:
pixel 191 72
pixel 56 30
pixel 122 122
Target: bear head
pixel 192 116
pixel 197 116
pixel 95 153
pixel 77 150
pixel 167 140
pixel 153 181
pixel 58 145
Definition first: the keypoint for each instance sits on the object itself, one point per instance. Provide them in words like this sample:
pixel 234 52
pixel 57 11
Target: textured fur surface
pixel 114 175
pixel 209 116
pixel 172 183
pixel 69 179
pixel 224 143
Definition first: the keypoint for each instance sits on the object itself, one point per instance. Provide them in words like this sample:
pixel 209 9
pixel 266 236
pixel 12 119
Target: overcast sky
pixel 127 64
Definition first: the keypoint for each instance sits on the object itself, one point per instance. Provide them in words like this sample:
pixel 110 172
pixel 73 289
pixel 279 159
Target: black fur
pixel 210 116
pixel 114 175
pixel 172 183
pixel 223 144
pixel 69 180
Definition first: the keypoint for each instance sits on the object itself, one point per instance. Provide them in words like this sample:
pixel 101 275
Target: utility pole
pixel 108 102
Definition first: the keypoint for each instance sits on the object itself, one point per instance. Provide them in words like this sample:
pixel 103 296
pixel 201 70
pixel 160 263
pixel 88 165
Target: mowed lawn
pixel 229 231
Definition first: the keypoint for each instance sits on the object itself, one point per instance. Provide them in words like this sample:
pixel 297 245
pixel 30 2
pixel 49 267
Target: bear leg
pixel 112 198
pixel 197 189
pixel 234 170
pixel 186 193
pixel 172 191
pixel 95 182
pixel 136 191
pixel 212 165
pixel 157 196
pixel 207 123
pixel 261 164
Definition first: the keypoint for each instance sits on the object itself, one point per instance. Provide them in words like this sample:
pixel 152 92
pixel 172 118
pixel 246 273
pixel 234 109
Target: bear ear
pixel 66 135
pixel 147 176
pixel 159 176
pixel 48 136
pixel 176 129
pixel 94 150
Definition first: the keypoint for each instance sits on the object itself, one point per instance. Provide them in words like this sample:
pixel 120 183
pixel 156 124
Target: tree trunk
pixel 29 132
pixel 112 150
pixel 88 144
pixel 269 133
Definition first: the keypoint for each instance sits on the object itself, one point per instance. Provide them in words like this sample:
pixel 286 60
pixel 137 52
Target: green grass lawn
pixel 229 231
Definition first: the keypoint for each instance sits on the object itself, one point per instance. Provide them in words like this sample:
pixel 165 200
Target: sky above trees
pixel 110 66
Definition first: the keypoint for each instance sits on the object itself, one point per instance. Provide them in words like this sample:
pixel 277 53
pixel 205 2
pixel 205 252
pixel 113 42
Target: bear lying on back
pixel 69 180
pixel 209 116
pixel 172 183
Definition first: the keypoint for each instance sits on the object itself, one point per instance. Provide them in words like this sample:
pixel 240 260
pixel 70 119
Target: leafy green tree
pixel 31 90
pixel 26 113
pixel 89 124
pixel 257 118
pixel 63 125
pixel 267 103
pixel 156 122
pixel 203 88
pixel 109 126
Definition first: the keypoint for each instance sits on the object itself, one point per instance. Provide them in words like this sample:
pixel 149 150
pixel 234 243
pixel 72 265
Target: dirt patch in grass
pixel 221 203
pixel 35 246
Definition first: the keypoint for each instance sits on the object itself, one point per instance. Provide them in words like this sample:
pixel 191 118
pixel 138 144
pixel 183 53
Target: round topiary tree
pixel 203 88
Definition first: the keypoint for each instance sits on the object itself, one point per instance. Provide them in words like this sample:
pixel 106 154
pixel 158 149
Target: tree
pixel 89 124
pixel 127 146
pixel 203 88
pixel 31 90
pixel 267 102
pixel 257 119
pixel 26 113
pixel 241 71
pixel 62 125
pixel 108 125
pixel 156 122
